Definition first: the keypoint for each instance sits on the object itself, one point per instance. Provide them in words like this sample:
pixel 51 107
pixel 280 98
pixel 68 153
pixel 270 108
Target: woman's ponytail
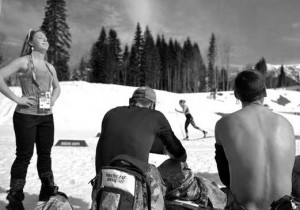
pixel 27 48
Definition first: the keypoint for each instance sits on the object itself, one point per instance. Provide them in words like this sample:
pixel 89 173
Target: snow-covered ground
pixel 78 114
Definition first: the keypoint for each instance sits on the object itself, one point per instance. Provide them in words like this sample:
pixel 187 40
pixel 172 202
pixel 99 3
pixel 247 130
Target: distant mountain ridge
pixel 292 73
pixel 291 70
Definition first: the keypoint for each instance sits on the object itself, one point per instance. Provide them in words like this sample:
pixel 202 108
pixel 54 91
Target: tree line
pixel 155 62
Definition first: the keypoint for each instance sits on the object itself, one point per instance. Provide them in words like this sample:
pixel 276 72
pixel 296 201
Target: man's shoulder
pixel 275 117
pixel 158 112
pixel 160 115
pixel 227 123
pixel 227 118
pixel 117 109
pixel 279 117
pixel 281 120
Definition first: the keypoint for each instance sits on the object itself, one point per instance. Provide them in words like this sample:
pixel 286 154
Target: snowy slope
pixel 78 114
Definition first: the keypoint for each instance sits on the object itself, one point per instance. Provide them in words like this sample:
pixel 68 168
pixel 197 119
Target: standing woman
pixel 32 119
pixel 189 119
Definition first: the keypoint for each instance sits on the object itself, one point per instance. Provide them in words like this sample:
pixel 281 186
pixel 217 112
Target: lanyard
pixel 34 81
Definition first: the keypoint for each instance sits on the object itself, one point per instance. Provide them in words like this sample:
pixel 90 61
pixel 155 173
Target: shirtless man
pixel 259 146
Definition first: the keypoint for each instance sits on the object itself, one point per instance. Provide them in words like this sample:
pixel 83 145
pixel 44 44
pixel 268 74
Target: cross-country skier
pixel 189 119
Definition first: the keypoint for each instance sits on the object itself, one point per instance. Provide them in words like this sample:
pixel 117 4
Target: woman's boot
pixel 48 187
pixel 15 194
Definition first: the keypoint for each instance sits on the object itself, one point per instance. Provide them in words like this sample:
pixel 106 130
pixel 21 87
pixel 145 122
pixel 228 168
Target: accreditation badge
pixel 44 102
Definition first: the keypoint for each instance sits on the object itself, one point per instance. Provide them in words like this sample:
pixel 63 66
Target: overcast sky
pixel 255 28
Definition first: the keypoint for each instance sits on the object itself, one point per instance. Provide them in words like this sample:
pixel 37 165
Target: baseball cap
pixel 145 92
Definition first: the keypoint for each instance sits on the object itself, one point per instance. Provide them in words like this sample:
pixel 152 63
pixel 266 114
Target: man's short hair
pixel 249 86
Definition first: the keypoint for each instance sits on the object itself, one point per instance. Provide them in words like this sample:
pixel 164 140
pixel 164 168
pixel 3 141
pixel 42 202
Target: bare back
pixel 260 148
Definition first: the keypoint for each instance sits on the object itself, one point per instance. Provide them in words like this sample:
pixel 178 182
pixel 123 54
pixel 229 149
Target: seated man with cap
pixel 131 130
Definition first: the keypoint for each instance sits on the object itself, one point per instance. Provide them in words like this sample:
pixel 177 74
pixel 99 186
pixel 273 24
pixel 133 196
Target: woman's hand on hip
pixel 26 100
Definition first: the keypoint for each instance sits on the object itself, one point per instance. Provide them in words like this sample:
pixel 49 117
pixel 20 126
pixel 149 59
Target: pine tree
pixel 211 57
pixel 149 60
pixel 217 75
pixel 155 66
pixel 199 69
pixel 115 58
pixel 281 78
pixel 125 64
pixel 98 60
pixel 179 60
pixel 57 31
pixel 261 66
pixel 223 79
pixel 133 70
pixel 135 58
pixel 164 55
pixel 145 70
pixel 173 66
pixel 158 45
pixel 187 68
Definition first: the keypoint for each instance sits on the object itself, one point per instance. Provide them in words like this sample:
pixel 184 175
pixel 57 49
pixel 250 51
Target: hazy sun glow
pixel 140 11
